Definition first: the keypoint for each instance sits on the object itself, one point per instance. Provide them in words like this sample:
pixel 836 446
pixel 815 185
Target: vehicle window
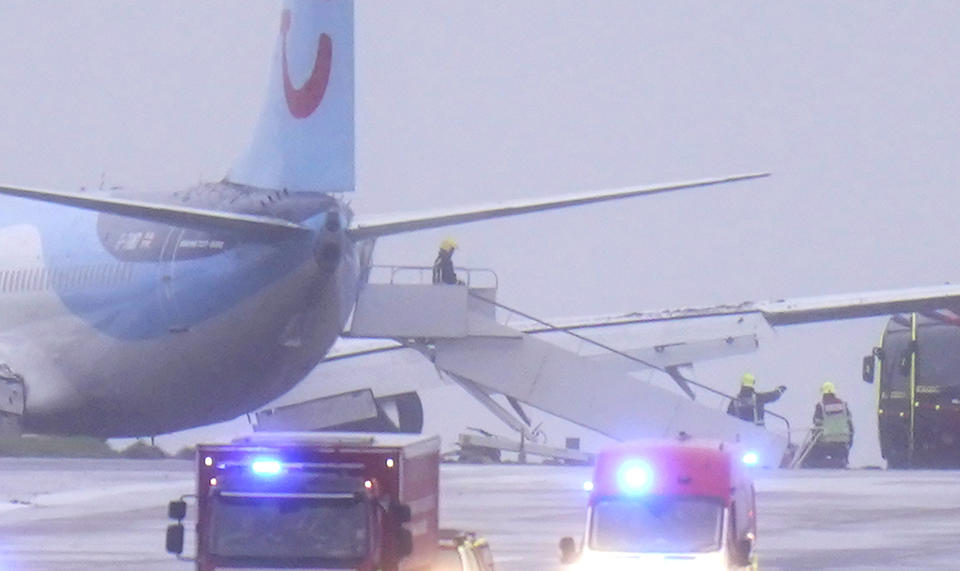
pixel 938 356
pixel 656 525
pixel 293 528
pixel 894 344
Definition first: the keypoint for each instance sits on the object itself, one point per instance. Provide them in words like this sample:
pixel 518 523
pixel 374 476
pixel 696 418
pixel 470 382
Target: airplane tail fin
pixel 305 137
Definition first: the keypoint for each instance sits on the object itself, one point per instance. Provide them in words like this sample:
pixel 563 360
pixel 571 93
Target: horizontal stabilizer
pixel 385 225
pixel 248 224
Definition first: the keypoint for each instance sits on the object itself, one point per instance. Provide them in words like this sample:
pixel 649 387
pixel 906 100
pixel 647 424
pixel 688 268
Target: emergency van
pixel 668 505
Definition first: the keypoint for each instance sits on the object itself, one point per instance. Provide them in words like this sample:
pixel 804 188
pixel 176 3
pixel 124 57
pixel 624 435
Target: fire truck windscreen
pixel 292 527
pixel 656 524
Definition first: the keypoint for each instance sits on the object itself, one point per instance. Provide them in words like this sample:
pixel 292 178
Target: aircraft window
pixel 3 281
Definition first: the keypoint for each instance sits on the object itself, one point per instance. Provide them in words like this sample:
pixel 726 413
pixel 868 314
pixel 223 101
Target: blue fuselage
pixel 125 327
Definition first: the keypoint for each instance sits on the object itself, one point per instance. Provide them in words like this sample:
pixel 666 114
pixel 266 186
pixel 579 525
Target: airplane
pixel 142 313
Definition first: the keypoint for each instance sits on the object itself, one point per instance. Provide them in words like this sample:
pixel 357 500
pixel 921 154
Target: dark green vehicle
pixel 917 371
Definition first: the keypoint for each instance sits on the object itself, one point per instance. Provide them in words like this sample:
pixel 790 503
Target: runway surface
pixel 92 514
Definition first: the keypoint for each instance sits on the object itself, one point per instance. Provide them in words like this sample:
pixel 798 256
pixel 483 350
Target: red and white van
pixel 668 505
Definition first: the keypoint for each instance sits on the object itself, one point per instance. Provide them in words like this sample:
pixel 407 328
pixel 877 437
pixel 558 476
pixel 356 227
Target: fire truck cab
pixel 314 501
pixel 668 505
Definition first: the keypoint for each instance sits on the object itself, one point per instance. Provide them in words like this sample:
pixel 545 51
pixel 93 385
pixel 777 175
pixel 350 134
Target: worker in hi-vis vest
pixel 832 417
pixel 748 404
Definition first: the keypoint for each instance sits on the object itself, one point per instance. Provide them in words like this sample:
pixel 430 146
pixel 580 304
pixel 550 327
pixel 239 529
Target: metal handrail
pixel 425 274
pixel 606 347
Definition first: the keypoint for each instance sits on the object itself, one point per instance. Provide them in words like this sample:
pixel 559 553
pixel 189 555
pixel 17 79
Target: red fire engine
pixel 311 500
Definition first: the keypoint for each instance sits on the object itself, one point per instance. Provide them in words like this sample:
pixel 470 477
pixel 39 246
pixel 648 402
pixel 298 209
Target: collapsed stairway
pixel 456 327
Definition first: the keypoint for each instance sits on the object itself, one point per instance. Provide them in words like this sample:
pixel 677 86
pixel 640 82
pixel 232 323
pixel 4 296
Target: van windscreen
pixel 656 524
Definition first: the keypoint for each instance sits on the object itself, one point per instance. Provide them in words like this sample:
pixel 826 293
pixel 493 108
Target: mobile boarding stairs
pixel 571 375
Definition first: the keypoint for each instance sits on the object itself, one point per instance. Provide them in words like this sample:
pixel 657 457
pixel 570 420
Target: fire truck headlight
pixel 588 486
pixel 265 467
pixel 635 477
pixel 751 458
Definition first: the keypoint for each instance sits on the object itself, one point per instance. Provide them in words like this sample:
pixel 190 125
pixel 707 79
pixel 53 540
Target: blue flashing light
pixel 266 467
pixel 635 477
pixel 750 459
pixel 588 486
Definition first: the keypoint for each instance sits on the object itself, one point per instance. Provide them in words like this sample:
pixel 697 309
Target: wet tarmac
pixel 111 514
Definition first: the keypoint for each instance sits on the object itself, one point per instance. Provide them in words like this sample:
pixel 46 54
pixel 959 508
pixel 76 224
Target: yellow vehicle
pixel 462 551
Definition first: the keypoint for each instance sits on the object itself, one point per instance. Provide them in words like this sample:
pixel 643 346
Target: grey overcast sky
pixel 853 106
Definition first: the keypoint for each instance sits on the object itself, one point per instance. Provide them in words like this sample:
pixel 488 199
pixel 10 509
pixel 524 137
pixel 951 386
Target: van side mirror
pixel 869 368
pixel 177 509
pixel 568 550
pixel 175 538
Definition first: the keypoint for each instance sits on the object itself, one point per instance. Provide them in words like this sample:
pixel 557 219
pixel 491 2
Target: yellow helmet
pixel 448 244
pixel 748 380
pixel 827 388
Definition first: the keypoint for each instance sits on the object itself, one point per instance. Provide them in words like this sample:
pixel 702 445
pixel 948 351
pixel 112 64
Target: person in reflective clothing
pixel 443 272
pixel 832 417
pixel 748 404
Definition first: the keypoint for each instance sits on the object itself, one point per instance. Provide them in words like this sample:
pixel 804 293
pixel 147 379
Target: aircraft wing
pixel 797 310
pixel 174 215
pixel 395 224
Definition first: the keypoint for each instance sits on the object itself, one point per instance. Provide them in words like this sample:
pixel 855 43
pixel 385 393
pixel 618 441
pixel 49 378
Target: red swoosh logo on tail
pixel 304 101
